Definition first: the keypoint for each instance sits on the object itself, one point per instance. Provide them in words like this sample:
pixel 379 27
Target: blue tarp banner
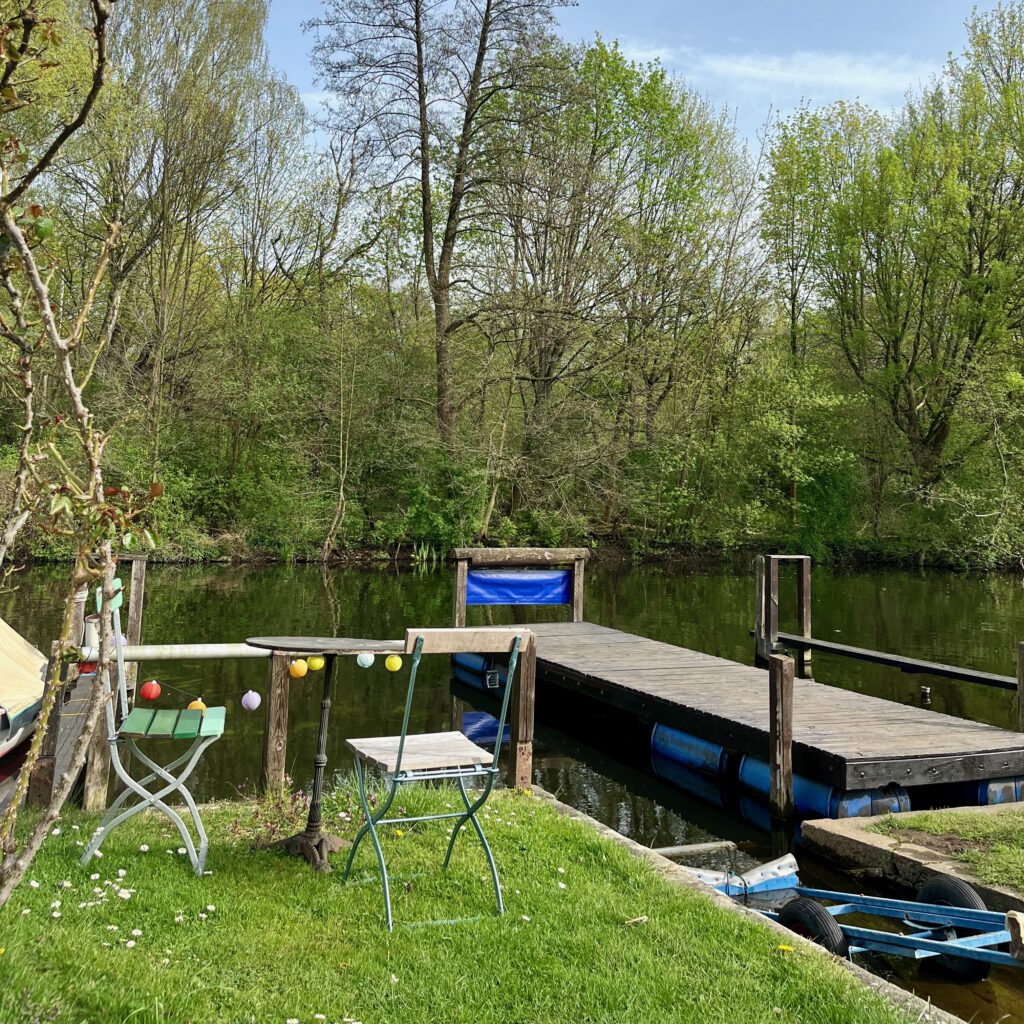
pixel 519 586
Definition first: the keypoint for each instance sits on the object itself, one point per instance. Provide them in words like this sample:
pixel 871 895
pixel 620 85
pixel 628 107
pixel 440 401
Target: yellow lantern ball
pixel 393 663
pixel 315 663
pixel 298 668
pixel 197 705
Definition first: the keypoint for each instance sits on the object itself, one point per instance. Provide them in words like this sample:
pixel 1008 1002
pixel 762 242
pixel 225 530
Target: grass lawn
pixel 262 939
pixel 991 844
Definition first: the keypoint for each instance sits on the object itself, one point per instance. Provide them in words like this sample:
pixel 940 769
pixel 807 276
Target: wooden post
pixel 803 607
pixel 133 636
pixel 760 658
pixel 520 763
pixel 459 620
pixel 780 703
pixel 577 589
pixel 97 767
pixel 459 602
pixel 275 733
pixel 1020 687
pixel 771 604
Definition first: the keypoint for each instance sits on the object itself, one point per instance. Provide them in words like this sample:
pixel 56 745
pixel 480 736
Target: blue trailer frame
pixel 935 924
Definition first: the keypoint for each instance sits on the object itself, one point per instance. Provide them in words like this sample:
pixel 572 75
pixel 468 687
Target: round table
pixel 313 843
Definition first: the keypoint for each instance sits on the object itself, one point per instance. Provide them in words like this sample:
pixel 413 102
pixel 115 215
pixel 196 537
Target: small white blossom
pixel 125 894
pixel 111 927
pixel 56 913
pixel 319 1016
pixel 74 828
pixel 130 944
pixel 121 872
pixel 562 885
pixel 526 917
pixel 54 831
pixel 94 877
pixel 182 850
pixel 202 917
pixel 98 853
pixel 65 884
pixel 143 848
pixel 55 905
pixel 136 932
pixel 292 1020
pixel 178 918
pixel 164 962
pixel 34 884
pixel 561 871
pixel 25 911
pixel 210 907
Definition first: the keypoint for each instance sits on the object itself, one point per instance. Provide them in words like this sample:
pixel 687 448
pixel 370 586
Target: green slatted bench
pixel 201 727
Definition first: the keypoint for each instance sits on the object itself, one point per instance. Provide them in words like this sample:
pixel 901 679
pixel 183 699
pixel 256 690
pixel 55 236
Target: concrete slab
pixel 849 843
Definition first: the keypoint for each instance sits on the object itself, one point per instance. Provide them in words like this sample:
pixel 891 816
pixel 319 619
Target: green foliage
pixel 651 345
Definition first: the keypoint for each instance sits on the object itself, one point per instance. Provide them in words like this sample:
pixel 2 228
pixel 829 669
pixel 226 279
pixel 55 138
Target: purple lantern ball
pixel 251 700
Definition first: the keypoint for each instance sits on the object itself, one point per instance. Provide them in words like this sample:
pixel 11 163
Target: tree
pixel 423 77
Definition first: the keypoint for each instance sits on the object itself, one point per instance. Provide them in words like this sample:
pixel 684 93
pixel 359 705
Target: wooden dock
pixel 848 739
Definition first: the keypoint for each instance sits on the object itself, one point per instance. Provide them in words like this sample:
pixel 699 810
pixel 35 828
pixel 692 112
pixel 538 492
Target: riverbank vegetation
pixel 991 845
pixel 503 288
pixel 591 933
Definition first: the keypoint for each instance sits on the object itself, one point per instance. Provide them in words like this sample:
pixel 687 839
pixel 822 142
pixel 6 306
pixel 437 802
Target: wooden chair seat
pixel 145 723
pixel 429 751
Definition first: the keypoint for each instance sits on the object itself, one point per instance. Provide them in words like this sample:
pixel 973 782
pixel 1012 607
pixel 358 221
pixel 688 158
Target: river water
pixel 968 620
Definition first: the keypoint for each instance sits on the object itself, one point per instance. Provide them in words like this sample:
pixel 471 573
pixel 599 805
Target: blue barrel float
pixel 671 747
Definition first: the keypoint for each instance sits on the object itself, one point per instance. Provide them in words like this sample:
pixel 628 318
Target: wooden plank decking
pixel 851 740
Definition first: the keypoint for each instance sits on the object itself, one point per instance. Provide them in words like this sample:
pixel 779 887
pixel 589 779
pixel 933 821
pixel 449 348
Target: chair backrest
pixel 485 640
pixel 515 576
pixel 122 685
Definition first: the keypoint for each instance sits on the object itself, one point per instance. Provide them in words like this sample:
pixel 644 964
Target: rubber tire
pixel 953 892
pixel 810 919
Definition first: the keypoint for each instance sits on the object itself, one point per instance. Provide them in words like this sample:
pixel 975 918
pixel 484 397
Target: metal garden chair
pixel 423 757
pixel 201 727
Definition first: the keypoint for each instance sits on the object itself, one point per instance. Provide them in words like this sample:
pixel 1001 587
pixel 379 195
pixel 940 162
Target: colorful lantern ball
pixel 393 663
pixel 251 700
pixel 197 705
pixel 364 659
pixel 315 663
pixel 298 668
pixel 149 690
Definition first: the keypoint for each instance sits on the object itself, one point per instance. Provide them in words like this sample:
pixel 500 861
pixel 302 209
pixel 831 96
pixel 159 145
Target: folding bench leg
pixel 112 819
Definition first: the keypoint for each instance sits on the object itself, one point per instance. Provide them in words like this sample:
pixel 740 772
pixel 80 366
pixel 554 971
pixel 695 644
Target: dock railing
pixel 769 639
pixel 573 562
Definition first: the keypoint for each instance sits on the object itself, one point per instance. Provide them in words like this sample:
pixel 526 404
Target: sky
pixel 754 57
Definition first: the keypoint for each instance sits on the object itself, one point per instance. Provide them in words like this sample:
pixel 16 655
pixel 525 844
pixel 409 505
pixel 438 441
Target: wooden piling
pixel 803 608
pixel 780 710
pixel 520 763
pixel 275 733
pixel 458 620
pixel 133 635
pixel 1020 687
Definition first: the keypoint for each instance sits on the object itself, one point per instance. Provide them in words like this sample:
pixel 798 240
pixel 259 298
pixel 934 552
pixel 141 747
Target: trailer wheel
pixel 953 892
pixel 811 920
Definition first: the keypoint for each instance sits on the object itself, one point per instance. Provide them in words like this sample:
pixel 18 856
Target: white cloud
pixel 785 79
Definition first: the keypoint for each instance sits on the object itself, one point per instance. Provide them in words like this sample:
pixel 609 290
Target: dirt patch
pixel 944 842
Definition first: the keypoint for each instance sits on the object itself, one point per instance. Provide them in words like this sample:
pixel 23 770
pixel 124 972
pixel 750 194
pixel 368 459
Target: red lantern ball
pixel 150 690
